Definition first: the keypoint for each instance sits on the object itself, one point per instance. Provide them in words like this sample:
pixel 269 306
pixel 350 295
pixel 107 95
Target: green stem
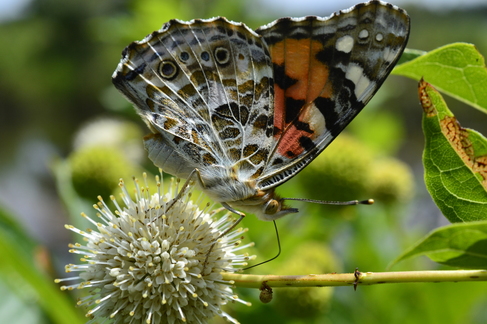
pixel 349 279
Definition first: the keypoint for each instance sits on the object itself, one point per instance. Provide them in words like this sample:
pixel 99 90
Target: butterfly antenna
pixel 275 257
pixel 342 203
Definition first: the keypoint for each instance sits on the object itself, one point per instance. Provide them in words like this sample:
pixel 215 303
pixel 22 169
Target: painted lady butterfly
pixel 244 111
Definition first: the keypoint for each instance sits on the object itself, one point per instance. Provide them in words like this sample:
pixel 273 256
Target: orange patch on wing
pixel 311 75
pixel 299 57
pixel 289 145
pixel 279 113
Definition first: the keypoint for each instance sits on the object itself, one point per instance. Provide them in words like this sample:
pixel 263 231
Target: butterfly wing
pixel 204 88
pixel 325 72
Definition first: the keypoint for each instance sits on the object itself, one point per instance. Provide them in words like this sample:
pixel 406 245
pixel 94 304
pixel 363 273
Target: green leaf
pixel 454 161
pixel 72 201
pixel 457 245
pixel 409 55
pixel 456 69
pixel 19 271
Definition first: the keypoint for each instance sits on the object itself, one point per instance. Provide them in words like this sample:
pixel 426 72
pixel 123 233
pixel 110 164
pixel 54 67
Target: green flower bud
pixel 338 173
pixel 125 135
pixel 96 170
pixel 391 181
pixel 308 258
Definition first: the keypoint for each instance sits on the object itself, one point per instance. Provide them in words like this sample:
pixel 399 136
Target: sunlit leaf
pixel 409 55
pixel 456 69
pixel 457 245
pixel 454 160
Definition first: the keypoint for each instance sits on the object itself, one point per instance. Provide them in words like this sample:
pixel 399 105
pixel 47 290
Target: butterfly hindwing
pixel 205 89
pixel 325 71
pixel 169 99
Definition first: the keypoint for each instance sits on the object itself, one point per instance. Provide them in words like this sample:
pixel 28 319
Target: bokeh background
pixel 66 135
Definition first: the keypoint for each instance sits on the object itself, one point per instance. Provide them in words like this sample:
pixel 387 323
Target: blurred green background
pixel 58 110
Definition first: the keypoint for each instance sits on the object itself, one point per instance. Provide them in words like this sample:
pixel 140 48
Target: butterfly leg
pixel 195 174
pixel 185 186
pixel 242 215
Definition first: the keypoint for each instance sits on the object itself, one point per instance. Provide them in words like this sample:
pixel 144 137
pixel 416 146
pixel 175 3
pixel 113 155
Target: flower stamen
pixel 144 262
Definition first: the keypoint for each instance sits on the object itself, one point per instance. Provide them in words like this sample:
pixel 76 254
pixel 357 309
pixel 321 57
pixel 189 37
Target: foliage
pixel 20 274
pixel 456 69
pixel 454 158
pixel 461 245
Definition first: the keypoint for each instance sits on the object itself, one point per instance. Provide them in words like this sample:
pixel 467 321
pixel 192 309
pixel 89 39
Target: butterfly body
pixel 248 110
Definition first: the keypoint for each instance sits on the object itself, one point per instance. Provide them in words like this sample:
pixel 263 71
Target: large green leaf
pixel 409 55
pixel 457 245
pixel 19 271
pixel 454 160
pixel 456 69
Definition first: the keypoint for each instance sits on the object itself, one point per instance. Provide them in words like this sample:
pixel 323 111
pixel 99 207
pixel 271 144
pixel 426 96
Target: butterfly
pixel 243 111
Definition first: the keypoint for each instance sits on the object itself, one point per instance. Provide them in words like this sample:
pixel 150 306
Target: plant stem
pixel 350 279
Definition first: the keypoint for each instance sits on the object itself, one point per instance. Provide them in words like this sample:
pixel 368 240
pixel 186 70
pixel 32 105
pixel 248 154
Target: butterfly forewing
pixel 325 71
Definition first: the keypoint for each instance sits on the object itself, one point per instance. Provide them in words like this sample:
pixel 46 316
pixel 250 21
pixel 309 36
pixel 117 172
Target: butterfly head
pixel 267 206
pixel 275 209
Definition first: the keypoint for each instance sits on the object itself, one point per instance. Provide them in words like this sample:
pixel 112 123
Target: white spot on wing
pixel 379 37
pixel 389 54
pixel 355 73
pixel 316 120
pixel 344 44
pixel 363 34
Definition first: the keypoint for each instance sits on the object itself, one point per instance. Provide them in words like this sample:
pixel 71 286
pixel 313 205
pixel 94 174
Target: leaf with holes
pixel 454 160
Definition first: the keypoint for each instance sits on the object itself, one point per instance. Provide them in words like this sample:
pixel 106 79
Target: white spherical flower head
pixel 149 262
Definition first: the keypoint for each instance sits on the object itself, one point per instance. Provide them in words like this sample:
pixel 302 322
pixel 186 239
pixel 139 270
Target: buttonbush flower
pixel 149 260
